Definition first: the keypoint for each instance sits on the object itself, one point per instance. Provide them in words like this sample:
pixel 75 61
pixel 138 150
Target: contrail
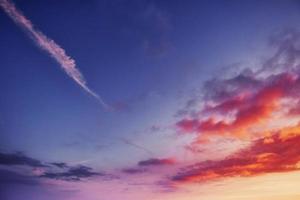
pixel 126 141
pixel 48 45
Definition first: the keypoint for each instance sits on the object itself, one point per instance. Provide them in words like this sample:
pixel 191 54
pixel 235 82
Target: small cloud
pixel 157 161
pixel 133 170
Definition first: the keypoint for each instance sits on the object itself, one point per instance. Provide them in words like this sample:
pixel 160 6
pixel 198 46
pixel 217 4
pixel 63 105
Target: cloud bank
pixel 235 106
pixel 259 106
pixel 72 174
pixel 276 153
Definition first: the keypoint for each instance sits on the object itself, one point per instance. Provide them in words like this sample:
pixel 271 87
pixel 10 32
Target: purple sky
pixel 146 99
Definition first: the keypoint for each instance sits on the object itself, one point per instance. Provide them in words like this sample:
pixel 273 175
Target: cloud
pixel 129 142
pixel 60 164
pixel 157 161
pixel 233 106
pixel 54 170
pixel 133 170
pixel 49 46
pixel 19 159
pixel 156 31
pixel 249 108
pixel 72 174
pixel 295 109
pixel 143 164
pixel 218 89
pixel 253 105
pixel 287 56
pixel 271 154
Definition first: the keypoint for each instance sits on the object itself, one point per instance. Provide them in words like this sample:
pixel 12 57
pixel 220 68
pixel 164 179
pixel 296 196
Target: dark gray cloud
pixel 53 170
pixel 60 164
pixel 142 166
pixel 19 158
pixel 73 174
pixel 133 170
pixel 218 89
pixel 156 161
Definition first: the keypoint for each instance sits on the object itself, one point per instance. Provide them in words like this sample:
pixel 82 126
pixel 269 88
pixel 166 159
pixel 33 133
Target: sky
pixel 149 99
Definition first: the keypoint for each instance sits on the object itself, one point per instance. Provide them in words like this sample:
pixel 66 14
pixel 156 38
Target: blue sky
pixel 146 59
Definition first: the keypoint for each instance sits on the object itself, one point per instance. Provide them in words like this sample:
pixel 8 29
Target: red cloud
pixel 253 111
pixel 229 104
pixel 277 153
pixel 188 125
pixel 295 110
pixel 250 109
pixel 240 105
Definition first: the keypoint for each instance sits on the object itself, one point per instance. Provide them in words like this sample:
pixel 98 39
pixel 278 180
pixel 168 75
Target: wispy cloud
pixel 129 142
pixel 73 174
pixel 52 48
pixel 52 170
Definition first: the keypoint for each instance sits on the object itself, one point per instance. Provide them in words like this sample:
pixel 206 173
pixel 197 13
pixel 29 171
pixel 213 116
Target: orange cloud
pixel 279 152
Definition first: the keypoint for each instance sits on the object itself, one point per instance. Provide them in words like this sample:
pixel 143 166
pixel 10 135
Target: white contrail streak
pixel 126 141
pixel 48 45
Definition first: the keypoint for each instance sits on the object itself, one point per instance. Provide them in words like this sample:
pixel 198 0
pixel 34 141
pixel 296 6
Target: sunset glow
pixel 149 100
